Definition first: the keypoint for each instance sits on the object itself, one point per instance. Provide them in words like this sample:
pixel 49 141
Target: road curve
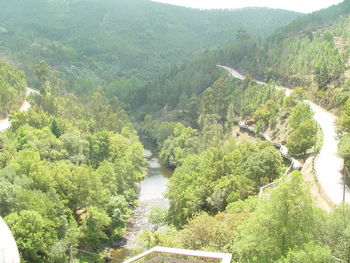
pixel 6 123
pixel 328 165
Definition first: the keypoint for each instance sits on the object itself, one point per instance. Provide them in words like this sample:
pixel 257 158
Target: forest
pixel 71 166
pixel 13 88
pixel 68 175
pixel 103 40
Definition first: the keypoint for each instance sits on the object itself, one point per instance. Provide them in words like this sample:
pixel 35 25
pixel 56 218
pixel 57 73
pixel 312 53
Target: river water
pixel 152 190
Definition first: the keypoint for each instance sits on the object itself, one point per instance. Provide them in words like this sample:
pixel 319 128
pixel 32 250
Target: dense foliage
pixel 71 164
pixel 213 171
pixel 12 88
pixel 283 226
pixel 102 40
pixel 68 175
pixel 219 176
pixel 312 51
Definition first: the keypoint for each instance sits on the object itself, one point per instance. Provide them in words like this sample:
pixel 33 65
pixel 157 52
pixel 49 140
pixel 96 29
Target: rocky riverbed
pixel 152 190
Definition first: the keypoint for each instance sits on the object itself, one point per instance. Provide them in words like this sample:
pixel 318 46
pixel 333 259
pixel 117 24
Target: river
pixel 152 190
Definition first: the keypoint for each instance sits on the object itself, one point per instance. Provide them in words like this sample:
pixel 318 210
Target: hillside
pixel 69 171
pixel 313 52
pixel 72 167
pixel 189 113
pixel 106 39
pixel 12 88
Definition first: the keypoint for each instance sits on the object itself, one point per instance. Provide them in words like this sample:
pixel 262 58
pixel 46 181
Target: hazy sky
pixel 304 6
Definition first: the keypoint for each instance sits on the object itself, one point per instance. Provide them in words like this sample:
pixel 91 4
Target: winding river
pixel 152 190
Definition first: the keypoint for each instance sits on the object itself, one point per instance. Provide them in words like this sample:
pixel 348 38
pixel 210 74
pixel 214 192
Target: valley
pixel 151 125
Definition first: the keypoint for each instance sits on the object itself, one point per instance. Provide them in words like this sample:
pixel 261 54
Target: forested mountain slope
pixel 69 170
pixel 70 166
pixel 313 51
pixel 214 202
pixel 218 172
pixel 106 39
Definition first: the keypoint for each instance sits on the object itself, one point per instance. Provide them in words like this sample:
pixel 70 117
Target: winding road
pixel 328 165
pixel 6 123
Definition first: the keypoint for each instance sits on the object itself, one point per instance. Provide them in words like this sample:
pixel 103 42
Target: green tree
pixel 264 166
pixel 34 235
pixel 42 72
pixel 297 95
pixel 230 117
pixel 95 225
pixel 344 149
pixel 335 232
pixel 12 88
pixel 99 144
pixel 282 222
pixel 343 120
pixel 55 129
pixel 310 253
pixel 302 138
pixel 178 146
pixel 157 215
pixel 301 112
pixel 217 233
pixel 265 115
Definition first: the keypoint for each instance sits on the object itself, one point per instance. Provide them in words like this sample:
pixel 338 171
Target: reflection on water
pixel 152 190
pixel 153 164
pixel 147 153
pixel 153 187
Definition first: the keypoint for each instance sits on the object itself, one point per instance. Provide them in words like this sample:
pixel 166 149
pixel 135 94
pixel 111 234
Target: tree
pixel 99 144
pixel 157 215
pixel 300 113
pixel 335 232
pixel 302 138
pixel 34 117
pixel 310 253
pixel 164 130
pixel 211 180
pixel 264 166
pixel 42 71
pixel 242 34
pixel 167 237
pixel 284 221
pixel 216 233
pixel 95 226
pixel 55 129
pixel 211 130
pixel 12 88
pixel 264 115
pixel 230 117
pixel 344 149
pixel 322 74
pixel 34 235
pixel 178 146
pixel 343 120
pixel 76 147
pixel 297 96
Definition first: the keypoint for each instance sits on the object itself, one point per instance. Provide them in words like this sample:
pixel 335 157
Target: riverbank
pixel 152 190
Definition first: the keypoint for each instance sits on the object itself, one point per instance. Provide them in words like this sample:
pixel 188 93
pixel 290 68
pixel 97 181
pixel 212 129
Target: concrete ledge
pixel 223 257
